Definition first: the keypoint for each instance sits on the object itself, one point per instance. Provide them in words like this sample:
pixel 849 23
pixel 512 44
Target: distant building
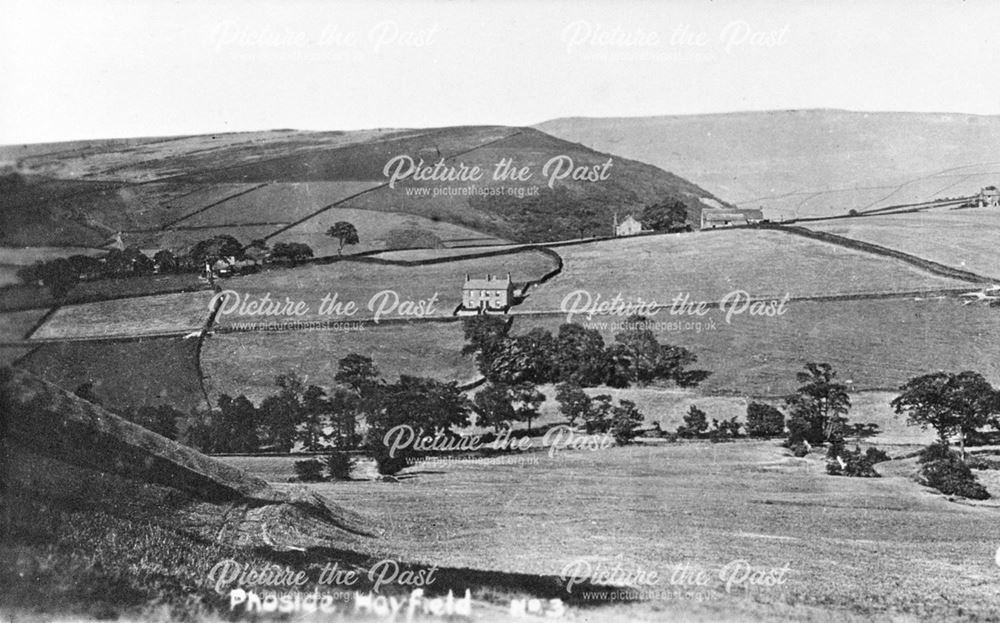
pixel 710 219
pixel 491 294
pixel 628 227
pixel 754 216
pixel 989 197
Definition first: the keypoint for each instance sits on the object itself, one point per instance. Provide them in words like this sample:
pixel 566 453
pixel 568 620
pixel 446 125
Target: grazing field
pixel 284 202
pixel 10 354
pixel 181 240
pixel 24 296
pixel 146 315
pixel 246 363
pixel 14 326
pixel 416 255
pixel 378 230
pixel 129 372
pixel 965 239
pixel 653 508
pixel 365 284
pixel 707 266
pixel 875 344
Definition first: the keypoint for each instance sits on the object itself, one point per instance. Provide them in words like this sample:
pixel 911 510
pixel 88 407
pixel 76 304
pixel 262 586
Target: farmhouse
pixel 754 216
pixel 628 227
pixel 491 294
pixel 989 197
pixel 711 219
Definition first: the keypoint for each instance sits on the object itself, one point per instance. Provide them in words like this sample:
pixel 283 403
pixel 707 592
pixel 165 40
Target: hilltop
pixel 755 159
pixel 170 192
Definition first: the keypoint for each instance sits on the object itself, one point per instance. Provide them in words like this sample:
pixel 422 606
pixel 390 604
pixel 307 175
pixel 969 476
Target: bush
pixel 764 421
pixel 309 470
pixel 338 465
pixel 953 477
pixel 855 463
pixel 695 423
pixel 724 430
pixel 935 452
pixel 799 450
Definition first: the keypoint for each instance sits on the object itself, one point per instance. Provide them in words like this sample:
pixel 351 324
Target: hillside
pixel 781 159
pixel 289 185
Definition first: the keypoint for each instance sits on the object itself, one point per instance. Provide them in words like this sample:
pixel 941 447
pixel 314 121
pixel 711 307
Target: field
pixel 965 239
pixel 277 202
pixel 360 282
pixel 23 296
pixel 14 326
pixel 653 508
pixel 378 230
pixel 875 344
pixel 130 317
pixel 707 266
pixel 247 362
pixel 128 372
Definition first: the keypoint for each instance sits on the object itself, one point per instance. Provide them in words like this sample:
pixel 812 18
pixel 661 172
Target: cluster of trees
pixel 61 274
pixel 575 355
pixel 599 414
pixel 670 215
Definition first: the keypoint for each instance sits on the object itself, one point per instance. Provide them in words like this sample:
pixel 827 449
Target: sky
pixel 121 68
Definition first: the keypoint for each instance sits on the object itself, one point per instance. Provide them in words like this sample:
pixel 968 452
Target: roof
pixel 490 283
pixel 724 216
pixel 629 218
pixel 754 214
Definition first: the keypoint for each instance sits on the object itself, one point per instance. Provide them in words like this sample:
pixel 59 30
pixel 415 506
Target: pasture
pixel 14 326
pixel 285 202
pixel 708 265
pixel 965 239
pixel 875 344
pixel 365 284
pixel 145 315
pixel 247 362
pixel 148 371
pixel 379 230
pixel 655 508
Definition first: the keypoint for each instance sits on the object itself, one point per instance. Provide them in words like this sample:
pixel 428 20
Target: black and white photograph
pixel 401 311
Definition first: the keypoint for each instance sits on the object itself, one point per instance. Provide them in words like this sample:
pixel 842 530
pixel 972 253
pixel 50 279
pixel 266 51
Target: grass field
pixel 277 201
pixel 707 266
pixel 965 239
pixel 246 363
pixel 135 372
pixel 873 343
pixel 15 325
pixel 847 544
pixel 377 230
pixel 129 317
pixel 359 282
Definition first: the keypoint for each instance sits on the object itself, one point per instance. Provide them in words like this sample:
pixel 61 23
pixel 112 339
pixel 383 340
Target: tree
pixel 484 338
pixel 952 404
pixel 818 409
pixel 597 417
pixel 345 233
pixel 281 413
pixel 526 400
pixel 217 247
pixel 668 215
pixel 625 420
pixel 234 426
pixel 493 407
pixel 293 252
pixel 695 423
pixel 580 356
pixel 58 276
pixel 764 420
pixel 315 408
pixel 164 261
pixel 161 419
pixel 357 372
pixel 573 401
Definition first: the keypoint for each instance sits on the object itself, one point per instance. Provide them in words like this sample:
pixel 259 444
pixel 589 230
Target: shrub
pixel 799 450
pixel 695 423
pixel 855 463
pixel 625 420
pixel 935 452
pixel 390 465
pixel 309 470
pixel 950 475
pixel 764 421
pixel 338 465
pixel 724 430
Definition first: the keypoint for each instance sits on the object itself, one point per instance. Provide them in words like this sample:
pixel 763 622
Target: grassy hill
pixel 280 184
pixel 837 160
